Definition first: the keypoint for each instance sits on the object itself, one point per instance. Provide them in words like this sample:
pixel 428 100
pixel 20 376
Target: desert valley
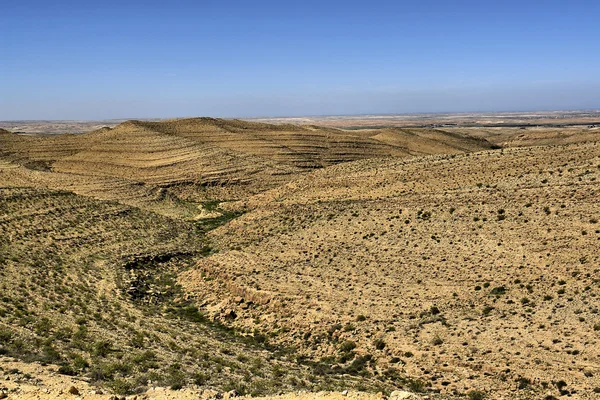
pixel 202 257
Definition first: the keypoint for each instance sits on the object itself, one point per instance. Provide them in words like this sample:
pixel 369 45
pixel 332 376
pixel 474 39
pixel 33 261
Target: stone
pixel 230 395
pixel 402 395
pixel 74 391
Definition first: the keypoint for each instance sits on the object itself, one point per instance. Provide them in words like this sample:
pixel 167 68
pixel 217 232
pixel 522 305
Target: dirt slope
pixel 133 151
pixel 533 136
pixel 430 141
pixel 90 286
pixel 304 147
pixel 475 271
pixel 172 166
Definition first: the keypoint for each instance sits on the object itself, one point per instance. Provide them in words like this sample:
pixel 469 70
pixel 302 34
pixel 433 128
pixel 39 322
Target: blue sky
pixel 133 59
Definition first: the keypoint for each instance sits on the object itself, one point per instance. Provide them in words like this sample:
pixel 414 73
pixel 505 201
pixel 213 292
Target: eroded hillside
pixel 475 271
pixel 266 258
pixel 90 286
pixel 172 166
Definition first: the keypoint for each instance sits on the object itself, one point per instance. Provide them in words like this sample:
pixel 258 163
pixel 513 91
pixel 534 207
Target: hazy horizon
pixel 491 112
pixel 73 61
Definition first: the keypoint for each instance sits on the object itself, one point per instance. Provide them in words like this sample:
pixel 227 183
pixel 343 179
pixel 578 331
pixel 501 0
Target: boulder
pixel 402 395
pixel 74 391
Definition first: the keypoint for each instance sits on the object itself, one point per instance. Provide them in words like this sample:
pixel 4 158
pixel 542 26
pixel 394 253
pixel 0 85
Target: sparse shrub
pixel 358 364
pixel 347 346
pixel 138 340
pixel 476 395
pixel 379 344
pixel 120 386
pixel 176 378
pixel 5 336
pixel 50 354
pixel 498 291
pixel 42 327
pixel 79 363
pixel 523 383
pixel 66 370
pixel 416 385
pixel 199 378
pixel 437 341
pixel 102 348
pixel 547 210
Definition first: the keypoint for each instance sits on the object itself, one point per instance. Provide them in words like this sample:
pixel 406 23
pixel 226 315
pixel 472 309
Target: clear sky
pixel 67 59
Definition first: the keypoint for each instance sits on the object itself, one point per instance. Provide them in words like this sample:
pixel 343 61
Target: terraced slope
pixel 40 151
pixel 135 166
pixel 63 270
pixel 124 191
pixel 469 272
pixel 172 166
pixel 132 151
pixel 303 147
pixel 533 136
pixel 90 286
pixel 431 141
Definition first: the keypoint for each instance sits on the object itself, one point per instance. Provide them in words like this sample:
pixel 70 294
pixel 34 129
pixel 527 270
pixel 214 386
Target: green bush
pixel 347 346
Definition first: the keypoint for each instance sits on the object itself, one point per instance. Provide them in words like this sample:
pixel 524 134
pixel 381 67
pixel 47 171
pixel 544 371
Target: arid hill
pixel 90 286
pixel 220 255
pixel 300 146
pixel 470 272
pixel 132 151
pixel 171 166
pixel 421 142
pixel 533 136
